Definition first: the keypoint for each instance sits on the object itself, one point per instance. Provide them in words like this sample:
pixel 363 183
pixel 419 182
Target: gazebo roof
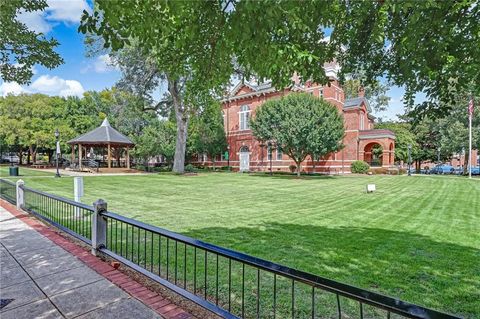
pixel 103 135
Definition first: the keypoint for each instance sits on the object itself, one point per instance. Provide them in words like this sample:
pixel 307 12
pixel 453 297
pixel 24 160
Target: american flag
pixel 470 107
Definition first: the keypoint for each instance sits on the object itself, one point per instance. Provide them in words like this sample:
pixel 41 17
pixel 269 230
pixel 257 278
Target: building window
pixel 320 93
pixel 224 118
pixel 362 121
pixel 279 154
pixel 269 152
pixel 244 116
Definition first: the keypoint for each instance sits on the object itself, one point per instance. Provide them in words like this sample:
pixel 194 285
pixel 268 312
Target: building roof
pixel 356 102
pixel 103 135
pixel 376 133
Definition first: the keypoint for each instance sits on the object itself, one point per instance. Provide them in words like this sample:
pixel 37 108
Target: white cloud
pixel 54 85
pixel 35 21
pixel 11 88
pixel 66 11
pixel 69 11
pixel 103 64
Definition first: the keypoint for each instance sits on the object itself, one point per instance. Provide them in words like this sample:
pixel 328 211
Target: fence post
pixel 99 226
pixel 20 194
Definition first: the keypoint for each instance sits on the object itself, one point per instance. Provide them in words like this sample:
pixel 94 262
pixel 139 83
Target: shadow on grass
pixel 409 266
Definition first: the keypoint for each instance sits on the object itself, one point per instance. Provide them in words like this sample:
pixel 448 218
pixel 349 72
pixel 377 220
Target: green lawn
pixel 416 238
pixel 24 172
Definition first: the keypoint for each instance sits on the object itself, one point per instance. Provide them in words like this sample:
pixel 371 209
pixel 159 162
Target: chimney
pixel 361 92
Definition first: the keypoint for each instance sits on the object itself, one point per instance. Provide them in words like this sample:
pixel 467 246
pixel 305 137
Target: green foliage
pixel 404 136
pixel 425 46
pixel 189 168
pixel 28 122
pixel 375 92
pixel 192 48
pixel 207 133
pixel 299 125
pixel 360 167
pixel 21 48
pixel 157 139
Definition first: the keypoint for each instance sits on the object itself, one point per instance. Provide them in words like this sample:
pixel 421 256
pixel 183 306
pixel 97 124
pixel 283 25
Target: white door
pixel 244 161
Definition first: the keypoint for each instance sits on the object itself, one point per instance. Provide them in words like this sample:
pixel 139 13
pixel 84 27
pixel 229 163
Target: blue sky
pixel 79 73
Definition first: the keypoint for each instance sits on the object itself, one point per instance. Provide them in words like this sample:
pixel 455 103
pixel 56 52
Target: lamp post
pixel 57 150
pixel 228 156
pixel 409 159
pixel 438 155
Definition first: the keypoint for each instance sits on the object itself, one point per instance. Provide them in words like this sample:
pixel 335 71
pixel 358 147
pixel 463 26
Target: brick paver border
pixel 162 305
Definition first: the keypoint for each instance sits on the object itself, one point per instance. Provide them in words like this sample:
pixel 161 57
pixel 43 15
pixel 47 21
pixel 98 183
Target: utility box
pixel 13 170
pixel 371 188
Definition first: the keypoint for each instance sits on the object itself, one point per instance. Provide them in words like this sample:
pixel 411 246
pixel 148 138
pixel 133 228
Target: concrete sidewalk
pixel 39 279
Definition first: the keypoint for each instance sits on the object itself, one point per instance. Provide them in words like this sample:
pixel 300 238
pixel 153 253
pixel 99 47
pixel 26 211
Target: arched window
pixel 244 149
pixel 243 117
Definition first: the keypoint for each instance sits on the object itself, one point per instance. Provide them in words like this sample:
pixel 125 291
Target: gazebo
pixel 104 136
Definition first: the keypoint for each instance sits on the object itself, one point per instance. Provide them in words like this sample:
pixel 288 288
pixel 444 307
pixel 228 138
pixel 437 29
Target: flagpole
pixel 470 146
pixel 470 116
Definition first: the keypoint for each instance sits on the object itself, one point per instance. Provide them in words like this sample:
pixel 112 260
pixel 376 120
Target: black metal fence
pixel 236 285
pixel 70 216
pixel 226 282
pixel 8 191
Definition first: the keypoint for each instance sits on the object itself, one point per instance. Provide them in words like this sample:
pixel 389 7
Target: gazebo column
pixel 109 157
pixel 80 147
pixel 128 157
pixel 72 157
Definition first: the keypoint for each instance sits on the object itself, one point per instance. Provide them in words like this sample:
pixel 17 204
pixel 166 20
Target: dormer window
pixel 244 115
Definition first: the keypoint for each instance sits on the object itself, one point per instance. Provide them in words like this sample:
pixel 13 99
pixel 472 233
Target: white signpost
pixel 77 193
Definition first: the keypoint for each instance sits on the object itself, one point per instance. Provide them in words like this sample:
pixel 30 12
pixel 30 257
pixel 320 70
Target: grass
pixel 416 238
pixel 23 172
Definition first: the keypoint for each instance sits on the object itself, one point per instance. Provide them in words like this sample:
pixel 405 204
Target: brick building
pixel 362 141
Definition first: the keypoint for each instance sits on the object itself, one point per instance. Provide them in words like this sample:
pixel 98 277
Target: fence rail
pixel 8 191
pixel 228 283
pixel 70 216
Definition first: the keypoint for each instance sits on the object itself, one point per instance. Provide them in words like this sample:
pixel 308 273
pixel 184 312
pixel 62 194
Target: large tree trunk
pixel 182 125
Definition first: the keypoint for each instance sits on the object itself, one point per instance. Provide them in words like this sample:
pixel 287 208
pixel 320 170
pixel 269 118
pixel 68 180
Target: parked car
pixel 443 169
pixel 475 171
pixel 10 158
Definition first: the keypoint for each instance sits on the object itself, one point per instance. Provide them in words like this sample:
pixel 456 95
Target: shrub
pixel 378 170
pixel 360 167
pixel 293 168
pixel 189 168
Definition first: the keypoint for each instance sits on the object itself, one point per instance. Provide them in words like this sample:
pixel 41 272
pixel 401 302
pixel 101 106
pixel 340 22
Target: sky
pixel 80 73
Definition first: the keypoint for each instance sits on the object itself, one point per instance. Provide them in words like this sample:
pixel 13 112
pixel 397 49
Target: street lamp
pixel 409 159
pixel 57 150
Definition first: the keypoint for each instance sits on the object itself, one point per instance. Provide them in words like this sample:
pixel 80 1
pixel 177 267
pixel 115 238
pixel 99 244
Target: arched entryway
pixel 244 159
pixel 373 154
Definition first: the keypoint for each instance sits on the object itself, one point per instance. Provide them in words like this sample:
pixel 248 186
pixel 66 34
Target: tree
pixel 404 136
pixel 375 92
pixel 425 46
pixel 300 125
pixel 207 133
pixel 195 46
pixel 21 48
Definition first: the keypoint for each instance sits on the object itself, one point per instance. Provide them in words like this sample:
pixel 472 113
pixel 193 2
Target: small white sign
pixel 371 188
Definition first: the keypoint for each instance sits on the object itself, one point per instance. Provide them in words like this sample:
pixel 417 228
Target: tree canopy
pixel 299 125
pixel 426 46
pixel 21 48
